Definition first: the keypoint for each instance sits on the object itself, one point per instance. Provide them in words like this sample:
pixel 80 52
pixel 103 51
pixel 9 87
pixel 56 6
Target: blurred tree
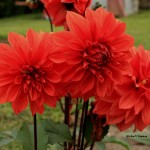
pixel 145 4
pixel 6 7
pixel 12 7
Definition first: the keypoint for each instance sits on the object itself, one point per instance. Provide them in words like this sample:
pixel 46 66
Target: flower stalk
pixel 81 127
pixel 92 146
pixel 50 21
pixel 67 116
pixel 35 133
pixel 84 123
pixel 76 122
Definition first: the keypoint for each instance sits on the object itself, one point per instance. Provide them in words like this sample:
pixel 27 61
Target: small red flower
pixel 130 104
pixel 97 52
pixel 57 9
pixel 27 72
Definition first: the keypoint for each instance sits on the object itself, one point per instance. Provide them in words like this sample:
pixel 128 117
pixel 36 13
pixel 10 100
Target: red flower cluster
pixel 57 9
pixel 27 72
pixel 130 102
pixel 94 58
pixel 97 52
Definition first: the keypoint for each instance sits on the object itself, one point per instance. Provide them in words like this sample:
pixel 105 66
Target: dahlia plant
pixel 92 70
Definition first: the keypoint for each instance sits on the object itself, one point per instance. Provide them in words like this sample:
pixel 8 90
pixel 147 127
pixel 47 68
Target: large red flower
pixel 27 72
pixel 130 103
pixel 57 9
pixel 97 50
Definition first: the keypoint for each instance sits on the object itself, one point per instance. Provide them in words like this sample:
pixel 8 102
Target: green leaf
pixel 9 133
pixel 5 141
pixel 42 137
pixel 112 139
pixel 7 137
pixel 26 137
pixel 55 147
pixel 100 146
pixel 141 137
pixel 57 133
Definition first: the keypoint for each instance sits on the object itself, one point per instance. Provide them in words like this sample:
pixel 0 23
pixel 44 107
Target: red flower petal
pixel 19 104
pixel 75 23
pixel 123 127
pixel 49 89
pixel 12 92
pixel 128 101
pixel 140 125
pixel 95 24
pixel 101 108
pixel 34 107
pixel 139 105
pixel 114 119
pixel 53 77
pixel 87 84
pixel 146 114
pixel 123 43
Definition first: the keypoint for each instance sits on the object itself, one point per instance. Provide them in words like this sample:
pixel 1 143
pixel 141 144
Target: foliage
pixel 6 7
pixel 26 137
pixel 57 133
pixel 10 121
pixel 50 132
pixel 7 137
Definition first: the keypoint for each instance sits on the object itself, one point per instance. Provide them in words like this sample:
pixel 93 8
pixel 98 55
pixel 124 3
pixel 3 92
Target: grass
pixel 138 25
pixel 22 23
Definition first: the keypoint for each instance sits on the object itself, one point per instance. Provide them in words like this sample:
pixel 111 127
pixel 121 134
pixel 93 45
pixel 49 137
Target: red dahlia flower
pixel 97 52
pixel 27 75
pixel 57 9
pixel 130 104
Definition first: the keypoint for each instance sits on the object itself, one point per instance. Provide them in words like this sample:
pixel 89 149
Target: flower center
pixel 144 83
pixel 69 6
pixel 32 73
pixel 33 77
pixel 97 55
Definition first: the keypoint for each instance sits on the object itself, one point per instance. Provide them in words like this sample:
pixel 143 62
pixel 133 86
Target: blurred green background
pixel 138 25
